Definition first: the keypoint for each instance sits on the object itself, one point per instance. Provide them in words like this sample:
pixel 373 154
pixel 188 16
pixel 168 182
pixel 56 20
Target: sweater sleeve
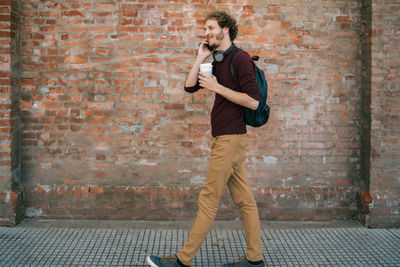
pixel 245 72
pixel 192 89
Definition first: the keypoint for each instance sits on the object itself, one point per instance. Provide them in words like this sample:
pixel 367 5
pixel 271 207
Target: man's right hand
pixel 202 55
pixel 204 52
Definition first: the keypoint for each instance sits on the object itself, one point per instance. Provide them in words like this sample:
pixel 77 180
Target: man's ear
pixel 226 30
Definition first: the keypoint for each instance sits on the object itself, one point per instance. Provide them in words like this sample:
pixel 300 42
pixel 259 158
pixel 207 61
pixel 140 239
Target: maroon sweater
pixel 226 116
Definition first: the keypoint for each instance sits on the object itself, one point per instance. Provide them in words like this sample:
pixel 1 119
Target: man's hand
pixel 209 83
pixel 202 55
pixel 204 52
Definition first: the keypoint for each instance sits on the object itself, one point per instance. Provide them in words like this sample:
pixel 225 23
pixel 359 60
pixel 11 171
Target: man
pixel 230 139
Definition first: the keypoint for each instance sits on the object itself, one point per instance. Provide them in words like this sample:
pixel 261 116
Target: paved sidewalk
pixel 110 243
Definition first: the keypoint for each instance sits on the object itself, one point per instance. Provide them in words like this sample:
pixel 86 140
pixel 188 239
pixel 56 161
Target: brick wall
pixel 11 207
pixel 109 133
pixel 385 114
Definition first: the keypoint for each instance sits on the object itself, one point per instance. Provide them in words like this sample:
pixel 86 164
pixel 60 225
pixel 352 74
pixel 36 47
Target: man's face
pixel 214 33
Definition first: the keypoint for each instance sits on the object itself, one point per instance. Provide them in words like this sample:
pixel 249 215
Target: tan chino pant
pixel 227 167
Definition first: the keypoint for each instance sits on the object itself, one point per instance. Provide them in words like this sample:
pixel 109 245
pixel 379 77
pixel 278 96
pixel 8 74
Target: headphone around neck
pixel 219 56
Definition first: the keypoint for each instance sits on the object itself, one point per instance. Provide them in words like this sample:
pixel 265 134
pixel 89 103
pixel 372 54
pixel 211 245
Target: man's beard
pixel 219 37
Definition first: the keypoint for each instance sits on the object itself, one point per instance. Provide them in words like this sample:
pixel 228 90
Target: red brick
pixel 76 59
pixel 73 13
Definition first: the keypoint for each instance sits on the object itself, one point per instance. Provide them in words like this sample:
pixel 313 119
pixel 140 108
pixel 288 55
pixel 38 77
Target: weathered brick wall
pixel 385 114
pixel 11 208
pixel 5 111
pixel 109 133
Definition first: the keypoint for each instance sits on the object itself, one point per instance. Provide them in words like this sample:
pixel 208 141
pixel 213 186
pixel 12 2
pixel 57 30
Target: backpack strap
pixel 231 64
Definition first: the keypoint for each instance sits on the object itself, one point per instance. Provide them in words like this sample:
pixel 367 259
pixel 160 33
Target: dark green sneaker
pixel 170 261
pixel 243 262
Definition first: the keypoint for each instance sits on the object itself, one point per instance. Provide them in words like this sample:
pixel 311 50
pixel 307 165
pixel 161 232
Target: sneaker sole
pixel 150 262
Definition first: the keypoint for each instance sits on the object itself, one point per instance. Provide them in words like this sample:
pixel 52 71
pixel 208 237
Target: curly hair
pixel 225 20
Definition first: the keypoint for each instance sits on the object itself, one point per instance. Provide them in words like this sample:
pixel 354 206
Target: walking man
pixel 229 144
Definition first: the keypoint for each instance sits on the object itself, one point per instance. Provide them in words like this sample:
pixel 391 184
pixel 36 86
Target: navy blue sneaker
pixel 170 261
pixel 243 262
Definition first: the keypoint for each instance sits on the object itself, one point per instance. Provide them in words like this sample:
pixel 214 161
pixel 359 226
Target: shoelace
pixel 165 259
pixel 241 260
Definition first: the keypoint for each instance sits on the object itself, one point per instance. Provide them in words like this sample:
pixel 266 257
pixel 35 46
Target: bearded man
pixel 228 150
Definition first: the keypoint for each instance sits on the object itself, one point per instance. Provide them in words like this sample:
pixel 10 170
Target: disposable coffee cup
pixel 206 68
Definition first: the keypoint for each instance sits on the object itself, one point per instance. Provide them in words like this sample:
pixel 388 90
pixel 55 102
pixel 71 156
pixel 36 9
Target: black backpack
pixel 260 116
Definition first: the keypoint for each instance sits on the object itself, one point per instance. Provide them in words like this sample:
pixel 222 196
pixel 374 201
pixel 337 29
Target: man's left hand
pixel 209 83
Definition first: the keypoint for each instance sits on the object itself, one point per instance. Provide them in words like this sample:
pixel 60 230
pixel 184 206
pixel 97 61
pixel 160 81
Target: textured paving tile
pixel 25 246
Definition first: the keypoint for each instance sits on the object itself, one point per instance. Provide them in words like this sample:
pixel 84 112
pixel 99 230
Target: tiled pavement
pixel 38 243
